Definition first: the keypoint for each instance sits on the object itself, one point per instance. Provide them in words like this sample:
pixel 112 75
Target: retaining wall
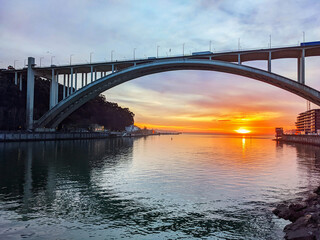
pixel 308 139
pixel 25 136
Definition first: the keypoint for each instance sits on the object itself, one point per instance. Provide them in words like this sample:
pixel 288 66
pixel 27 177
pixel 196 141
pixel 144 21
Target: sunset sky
pixel 189 101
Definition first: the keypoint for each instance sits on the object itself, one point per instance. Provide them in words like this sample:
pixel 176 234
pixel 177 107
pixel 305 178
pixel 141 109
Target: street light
pixel 112 55
pixel 270 40
pixel 158 51
pixel 14 63
pixel 183 49
pixel 52 57
pixel 91 57
pixel 71 58
pixel 134 54
pixel 40 60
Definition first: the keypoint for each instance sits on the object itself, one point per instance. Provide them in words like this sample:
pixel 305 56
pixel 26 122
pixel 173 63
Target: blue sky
pixel 187 98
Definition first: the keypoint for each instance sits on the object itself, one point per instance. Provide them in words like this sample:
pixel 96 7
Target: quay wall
pixel 307 139
pixel 49 136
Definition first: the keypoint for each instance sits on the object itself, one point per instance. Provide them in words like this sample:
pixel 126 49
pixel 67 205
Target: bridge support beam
pixel 71 82
pixel 269 62
pixel 68 85
pixel 91 74
pixel 56 82
pixel 52 90
pixel 95 74
pixel 16 78
pixel 20 82
pixel 301 68
pixel 75 80
pixel 112 68
pixel 30 94
pixel 82 80
pixel 64 87
pixel 86 79
pixel 239 59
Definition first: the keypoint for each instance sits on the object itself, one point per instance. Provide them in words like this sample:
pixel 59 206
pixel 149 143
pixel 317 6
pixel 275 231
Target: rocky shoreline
pixel 304 215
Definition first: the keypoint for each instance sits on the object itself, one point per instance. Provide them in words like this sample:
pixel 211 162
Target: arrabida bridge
pixel 83 82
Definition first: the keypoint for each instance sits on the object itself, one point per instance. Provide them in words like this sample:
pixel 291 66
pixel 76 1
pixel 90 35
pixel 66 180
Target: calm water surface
pixel 159 187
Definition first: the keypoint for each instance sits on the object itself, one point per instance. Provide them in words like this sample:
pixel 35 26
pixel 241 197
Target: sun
pixel 242 131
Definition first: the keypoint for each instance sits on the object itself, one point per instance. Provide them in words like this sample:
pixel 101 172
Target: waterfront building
pixel 308 122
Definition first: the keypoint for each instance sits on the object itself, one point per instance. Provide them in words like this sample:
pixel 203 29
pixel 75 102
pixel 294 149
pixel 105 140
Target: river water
pixel 157 187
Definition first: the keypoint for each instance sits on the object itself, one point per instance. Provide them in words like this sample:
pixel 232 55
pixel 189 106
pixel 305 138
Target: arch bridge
pixel 83 82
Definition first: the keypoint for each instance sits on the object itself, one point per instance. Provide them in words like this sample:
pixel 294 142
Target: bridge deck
pixel 247 55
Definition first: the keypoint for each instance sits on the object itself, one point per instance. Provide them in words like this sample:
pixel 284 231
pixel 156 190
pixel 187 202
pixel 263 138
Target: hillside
pixel 97 111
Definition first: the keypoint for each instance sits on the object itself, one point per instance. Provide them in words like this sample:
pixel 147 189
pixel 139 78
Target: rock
pixel 304 215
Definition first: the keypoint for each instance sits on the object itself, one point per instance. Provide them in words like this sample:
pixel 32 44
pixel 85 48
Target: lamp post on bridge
pixel 14 63
pixel 41 60
pixel 91 57
pixel 52 57
pixel 183 49
pixel 71 58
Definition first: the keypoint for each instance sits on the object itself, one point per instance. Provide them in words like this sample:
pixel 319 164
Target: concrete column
pixel 239 59
pixel 68 84
pixel 64 87
pixel 56 99
pixel 86 79
pixel 71 82
pixel 269 62
pixel 91 73
pixel 134 64
pixel 302 65
pixel 210 58
pixel 30 94
pixel 112 68
pixel 299 69
pixel 16 78
pixel 52 90
pixel 95 74
pixel 20 82
pixel 82 80
pixel 76 81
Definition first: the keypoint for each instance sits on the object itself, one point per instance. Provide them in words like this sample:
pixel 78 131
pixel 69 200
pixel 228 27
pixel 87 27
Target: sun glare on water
pixel 242 131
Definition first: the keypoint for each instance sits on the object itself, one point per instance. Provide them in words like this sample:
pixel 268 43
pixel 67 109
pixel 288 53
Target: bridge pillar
pixel 82 80
pixel 75 80
pixel 56 90
pixel 95 74
pixel 86 79
pixel 30 94
pixel 239 59
pixel 52 90
pixel 269 62
pixel 64 87
pixel 91 73
pixel 68 85
pixel 301 68
pixel 112 68
pixel 71 82
pixel 20 82
pixel 16 78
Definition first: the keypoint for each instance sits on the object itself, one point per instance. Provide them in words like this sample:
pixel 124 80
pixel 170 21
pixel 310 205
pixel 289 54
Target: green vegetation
pixel 97 111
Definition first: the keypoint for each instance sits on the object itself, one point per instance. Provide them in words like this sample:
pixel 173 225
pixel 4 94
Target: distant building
pixel 308 122
pixel 132 128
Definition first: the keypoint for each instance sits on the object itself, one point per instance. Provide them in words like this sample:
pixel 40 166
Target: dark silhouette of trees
pixel 97 111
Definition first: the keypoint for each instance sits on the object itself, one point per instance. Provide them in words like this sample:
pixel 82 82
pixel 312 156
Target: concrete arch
pixel 56 115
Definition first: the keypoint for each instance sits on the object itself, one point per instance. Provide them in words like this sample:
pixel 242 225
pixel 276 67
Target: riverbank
pixel 306 139
pixel 53 136
pixel 304 215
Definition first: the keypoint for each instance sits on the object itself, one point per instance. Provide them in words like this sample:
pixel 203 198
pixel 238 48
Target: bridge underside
pixel 64 108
